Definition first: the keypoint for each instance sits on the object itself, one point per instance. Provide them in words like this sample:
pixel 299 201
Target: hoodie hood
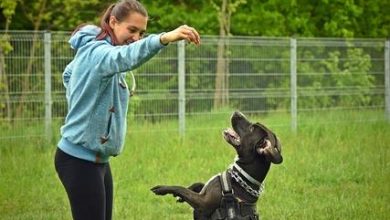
pixel 86 34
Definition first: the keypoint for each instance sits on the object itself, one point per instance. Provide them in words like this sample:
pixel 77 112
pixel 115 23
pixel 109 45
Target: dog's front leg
pixel 189 196
pixel 208 198
pixel 196 187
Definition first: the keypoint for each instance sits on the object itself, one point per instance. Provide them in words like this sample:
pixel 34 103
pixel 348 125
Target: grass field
pixel 330 171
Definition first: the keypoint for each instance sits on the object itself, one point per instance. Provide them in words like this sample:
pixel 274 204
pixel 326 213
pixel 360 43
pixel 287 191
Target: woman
pixel 97 97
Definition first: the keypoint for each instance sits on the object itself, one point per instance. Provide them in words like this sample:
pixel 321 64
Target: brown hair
pixel 120 10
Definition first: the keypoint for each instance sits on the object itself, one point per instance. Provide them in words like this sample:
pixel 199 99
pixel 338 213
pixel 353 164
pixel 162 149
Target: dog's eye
pixel 251 128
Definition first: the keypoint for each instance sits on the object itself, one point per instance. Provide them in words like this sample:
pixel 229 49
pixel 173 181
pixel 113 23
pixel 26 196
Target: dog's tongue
pixel 231 137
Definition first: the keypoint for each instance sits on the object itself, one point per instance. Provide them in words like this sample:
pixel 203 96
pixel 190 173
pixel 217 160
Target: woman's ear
pixel 112 21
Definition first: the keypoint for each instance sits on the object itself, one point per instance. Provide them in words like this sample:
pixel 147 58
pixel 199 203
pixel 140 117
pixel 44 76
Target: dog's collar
pixel 245 174
pixel 254 192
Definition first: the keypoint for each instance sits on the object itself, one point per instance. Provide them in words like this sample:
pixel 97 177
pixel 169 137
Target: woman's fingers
pixel 192 34
pixel 183 32
pixel 195 35
pixel 191 37
pixel 188 33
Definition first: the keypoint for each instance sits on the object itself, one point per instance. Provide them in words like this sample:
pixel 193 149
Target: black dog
pixel 257 147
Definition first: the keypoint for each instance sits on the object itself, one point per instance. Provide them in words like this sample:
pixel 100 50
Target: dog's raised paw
pixel 159 190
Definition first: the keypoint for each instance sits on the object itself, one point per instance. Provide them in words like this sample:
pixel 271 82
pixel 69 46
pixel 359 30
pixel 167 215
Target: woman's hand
pixel 183 32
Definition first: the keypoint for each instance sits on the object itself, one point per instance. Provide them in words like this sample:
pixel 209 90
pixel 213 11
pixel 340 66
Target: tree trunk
pixel 5 47
pixel 4 87
pixel 220 73
pixel 221 95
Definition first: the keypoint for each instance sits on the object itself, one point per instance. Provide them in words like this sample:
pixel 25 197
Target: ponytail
pixel 105 26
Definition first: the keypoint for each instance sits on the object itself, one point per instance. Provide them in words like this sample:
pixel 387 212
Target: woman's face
pixel 130 29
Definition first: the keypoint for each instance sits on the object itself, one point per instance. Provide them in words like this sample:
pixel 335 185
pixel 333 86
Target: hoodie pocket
pixel 106 136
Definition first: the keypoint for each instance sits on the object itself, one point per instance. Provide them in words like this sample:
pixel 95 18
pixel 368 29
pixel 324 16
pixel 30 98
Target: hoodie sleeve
pixel 115 59
pixel 66 74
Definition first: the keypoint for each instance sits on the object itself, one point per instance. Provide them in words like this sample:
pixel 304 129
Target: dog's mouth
pixel 232 137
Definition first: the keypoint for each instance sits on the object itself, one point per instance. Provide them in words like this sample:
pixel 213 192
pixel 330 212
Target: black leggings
pixel 88 185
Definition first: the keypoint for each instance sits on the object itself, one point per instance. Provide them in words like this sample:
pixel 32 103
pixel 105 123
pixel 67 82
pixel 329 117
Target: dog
pixel 257 147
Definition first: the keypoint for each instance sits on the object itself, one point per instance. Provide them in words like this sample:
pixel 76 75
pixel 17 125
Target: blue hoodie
pixel 97 93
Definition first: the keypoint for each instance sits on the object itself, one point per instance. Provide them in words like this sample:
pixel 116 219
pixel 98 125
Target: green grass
pixel 330 171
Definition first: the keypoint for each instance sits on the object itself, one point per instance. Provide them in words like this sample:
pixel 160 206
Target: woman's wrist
pixel 163 39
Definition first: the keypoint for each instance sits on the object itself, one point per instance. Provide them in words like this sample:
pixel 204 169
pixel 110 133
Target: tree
pixel 375 19
pixel 56 14
pixel 306 18
pixel 38 15
pixel 5 47
pixel 166 15
pixel 225 9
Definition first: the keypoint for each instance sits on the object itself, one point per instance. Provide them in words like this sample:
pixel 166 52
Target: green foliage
pixel 336 79
pixel 328 78
pixel 354 73
pixel 8 7
pixel 69 14
pixel 5 48
pixel 55 14
pixel 375 19
pixel 167 15
pixel 5 45
pixel 308 18
pixel 323 18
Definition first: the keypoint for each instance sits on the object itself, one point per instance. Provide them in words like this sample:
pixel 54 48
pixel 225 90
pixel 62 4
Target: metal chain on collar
pixel 243 184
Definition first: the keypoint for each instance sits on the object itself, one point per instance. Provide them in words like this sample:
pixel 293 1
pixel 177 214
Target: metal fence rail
pixel 256 75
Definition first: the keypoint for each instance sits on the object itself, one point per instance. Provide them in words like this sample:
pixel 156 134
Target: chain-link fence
pixel 291 77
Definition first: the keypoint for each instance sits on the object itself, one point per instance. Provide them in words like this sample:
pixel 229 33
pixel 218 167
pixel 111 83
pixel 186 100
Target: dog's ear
pixel 259 129
pixel 272 149
pixel 277 151
pixel 275 141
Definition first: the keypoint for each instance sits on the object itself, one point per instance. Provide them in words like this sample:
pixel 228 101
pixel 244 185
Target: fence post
pixel 387 78
pixel 47 72
pixel 181 85
pixel 293 83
